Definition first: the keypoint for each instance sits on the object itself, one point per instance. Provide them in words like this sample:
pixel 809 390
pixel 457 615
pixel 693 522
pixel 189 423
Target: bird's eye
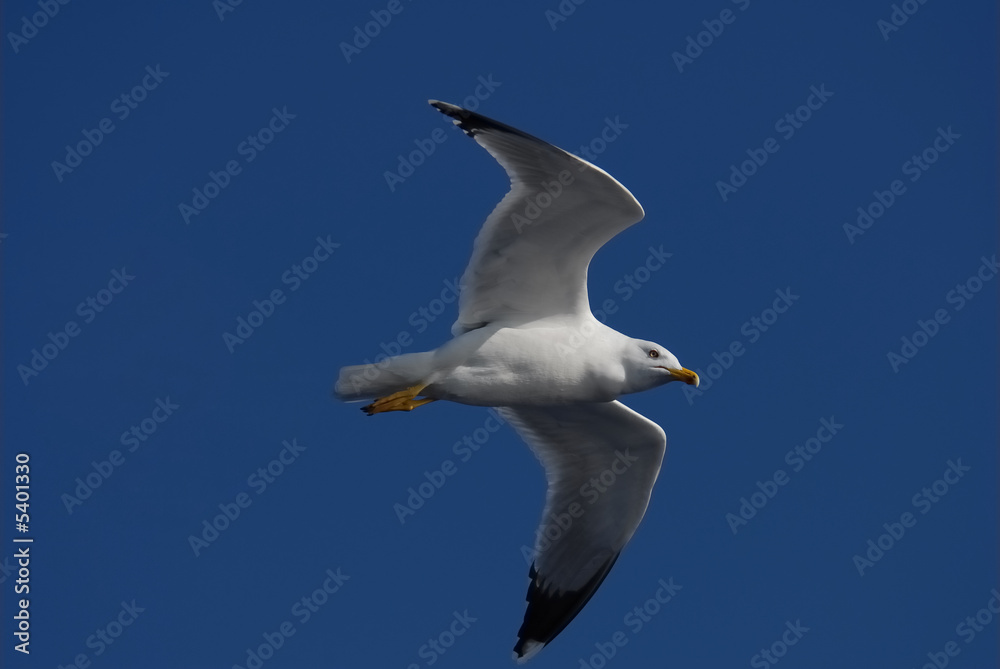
pixel 654 353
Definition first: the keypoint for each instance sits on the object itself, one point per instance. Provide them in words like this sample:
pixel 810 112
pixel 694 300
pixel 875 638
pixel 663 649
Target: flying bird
pixel 526 342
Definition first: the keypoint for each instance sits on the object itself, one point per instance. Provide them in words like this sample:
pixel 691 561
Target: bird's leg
pixel 404 400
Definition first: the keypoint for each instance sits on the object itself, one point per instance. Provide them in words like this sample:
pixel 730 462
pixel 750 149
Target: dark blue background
pixel 323 175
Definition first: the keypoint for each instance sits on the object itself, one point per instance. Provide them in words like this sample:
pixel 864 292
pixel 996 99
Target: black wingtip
pixel 472 123
pixel 459 115
pixel 527 649
pixel 548 614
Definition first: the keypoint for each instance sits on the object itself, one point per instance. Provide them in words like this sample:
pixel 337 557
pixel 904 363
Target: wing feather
pixel 531 257
pixel 601 461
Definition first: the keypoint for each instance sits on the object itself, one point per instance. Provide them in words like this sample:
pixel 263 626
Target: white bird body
pixel 526 342
pixel 533 362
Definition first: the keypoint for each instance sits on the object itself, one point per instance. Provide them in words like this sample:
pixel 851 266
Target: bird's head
pixel 648 365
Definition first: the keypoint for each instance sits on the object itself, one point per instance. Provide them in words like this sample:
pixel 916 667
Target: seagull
pixel 527 343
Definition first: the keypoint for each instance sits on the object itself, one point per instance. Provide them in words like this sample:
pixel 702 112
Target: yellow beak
pixel 685 375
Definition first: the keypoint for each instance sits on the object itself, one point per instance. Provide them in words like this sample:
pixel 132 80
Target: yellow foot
pixel 404 400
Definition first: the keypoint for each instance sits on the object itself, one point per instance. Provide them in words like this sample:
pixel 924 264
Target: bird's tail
pixel 365 382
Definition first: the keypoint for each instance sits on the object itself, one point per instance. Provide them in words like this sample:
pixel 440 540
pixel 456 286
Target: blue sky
pixel 206 215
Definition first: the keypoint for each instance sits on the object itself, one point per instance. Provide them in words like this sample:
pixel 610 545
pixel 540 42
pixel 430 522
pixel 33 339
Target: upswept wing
pixel 530 259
